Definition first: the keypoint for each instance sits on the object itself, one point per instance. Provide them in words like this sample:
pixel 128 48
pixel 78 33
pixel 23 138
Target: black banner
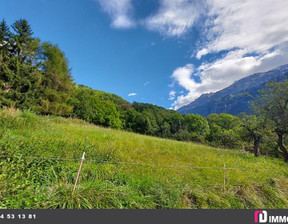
pixel 143 216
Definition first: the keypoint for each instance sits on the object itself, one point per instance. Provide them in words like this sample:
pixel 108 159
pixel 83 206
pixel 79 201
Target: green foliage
pixel 257 125
pixel 197 125
pixel 255 128
pixel 57 81
pixel 25 47
pixel 89 106
pixel 32 76
pixel 273 105
pixel 182 135
pixel 146 123
pixel 157 121
pixel 35 76
pixel 4 38
pixel 224 131
pixel 225 121
pixel 269 146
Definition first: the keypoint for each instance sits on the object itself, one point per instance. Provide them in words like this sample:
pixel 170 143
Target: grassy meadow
pixel 126 170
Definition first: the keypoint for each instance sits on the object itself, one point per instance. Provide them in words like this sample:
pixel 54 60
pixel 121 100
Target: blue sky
pixel 164 52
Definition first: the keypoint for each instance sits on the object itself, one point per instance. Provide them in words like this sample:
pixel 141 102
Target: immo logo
pixel 261 216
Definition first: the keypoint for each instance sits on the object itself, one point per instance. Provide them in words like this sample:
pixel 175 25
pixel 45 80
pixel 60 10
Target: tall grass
pixel 27 182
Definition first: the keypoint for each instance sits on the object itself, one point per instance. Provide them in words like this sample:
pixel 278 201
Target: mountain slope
pixel 39 157
pixel 237 97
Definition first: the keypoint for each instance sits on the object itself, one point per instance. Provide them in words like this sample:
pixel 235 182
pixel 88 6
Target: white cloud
pixel 241 36
pixel 255 35
pixel 256 25
pixel 147 83
pixel 174 18
pixel 201 53
pixel 132 94
pixel 172 95
pixel 183 76
pixel 223 72
pixel 120 12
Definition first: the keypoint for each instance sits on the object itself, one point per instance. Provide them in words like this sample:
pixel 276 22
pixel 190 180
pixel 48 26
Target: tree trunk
pixel 282 146
pixel 257 141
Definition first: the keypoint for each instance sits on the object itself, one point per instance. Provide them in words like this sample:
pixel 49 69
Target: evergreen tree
pixel 24 46
pixel 57 85
pixel 4 39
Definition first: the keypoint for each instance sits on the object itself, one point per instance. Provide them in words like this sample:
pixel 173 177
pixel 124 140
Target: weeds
pixel 47 183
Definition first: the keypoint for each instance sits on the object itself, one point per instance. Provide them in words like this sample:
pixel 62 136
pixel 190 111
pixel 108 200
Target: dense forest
pixel 35 76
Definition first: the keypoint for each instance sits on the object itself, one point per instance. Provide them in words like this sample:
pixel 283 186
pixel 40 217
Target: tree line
pixel 35 75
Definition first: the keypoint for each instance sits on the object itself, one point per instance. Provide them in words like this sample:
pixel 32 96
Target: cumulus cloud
pixel 120 12
pixel 223 72
pixel 172 95
pixel 174 18
pixel 132 94
pixel 241 36
pixel 183 76
pixel 254 35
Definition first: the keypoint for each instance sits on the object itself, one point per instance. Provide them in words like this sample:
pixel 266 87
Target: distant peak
pixel 282 67
pixel 235 98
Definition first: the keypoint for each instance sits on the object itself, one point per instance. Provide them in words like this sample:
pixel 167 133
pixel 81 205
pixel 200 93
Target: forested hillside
pixel 36 76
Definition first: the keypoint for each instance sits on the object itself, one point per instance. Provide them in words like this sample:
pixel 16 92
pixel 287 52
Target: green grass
pixel 47 183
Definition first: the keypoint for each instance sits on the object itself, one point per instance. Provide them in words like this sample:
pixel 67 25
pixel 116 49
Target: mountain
pixel 237 97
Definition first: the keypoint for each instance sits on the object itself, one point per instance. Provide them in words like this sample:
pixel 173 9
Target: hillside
pixel 39 79
pixel 237 97
pixel 40 158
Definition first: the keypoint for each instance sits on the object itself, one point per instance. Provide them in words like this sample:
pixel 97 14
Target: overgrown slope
pixel 126 170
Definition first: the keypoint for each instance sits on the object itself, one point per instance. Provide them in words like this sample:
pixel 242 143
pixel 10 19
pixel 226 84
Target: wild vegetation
pixel 126 170
pixel 35 75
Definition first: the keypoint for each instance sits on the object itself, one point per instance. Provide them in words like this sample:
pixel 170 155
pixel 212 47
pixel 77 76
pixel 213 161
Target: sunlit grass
pixel 114 175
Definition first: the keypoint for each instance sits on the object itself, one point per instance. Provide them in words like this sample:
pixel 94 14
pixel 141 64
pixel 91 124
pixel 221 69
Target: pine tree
pixel 24 45
pixel 4 37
